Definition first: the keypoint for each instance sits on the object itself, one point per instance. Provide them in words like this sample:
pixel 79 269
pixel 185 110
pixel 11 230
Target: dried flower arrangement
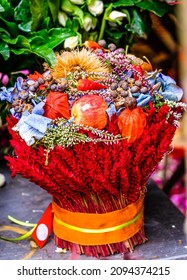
pixel 90 131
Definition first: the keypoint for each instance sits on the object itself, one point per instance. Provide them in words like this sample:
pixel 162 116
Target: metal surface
pixel 26 201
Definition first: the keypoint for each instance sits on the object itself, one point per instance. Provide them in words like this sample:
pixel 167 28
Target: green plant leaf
pixel 2 30
pixel 158 8
pixel 22 11
pixel 19 42
pixel 46 53
pixel 53 37
pixel 88 2
pixel 122 3
pixel 54 8
pixel 76 22
pixel 39 11
pixel 125 11
pixel 43 42
pixel 5 9
pixel 11 27
pixel 25 27
pixel 136 26
pixel 1 9
pixel 115 34
pixel 4 50
pixel 40 43
pixel 72 10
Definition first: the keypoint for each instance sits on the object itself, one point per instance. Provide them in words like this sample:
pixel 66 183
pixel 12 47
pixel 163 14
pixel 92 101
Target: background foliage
pixel 32 30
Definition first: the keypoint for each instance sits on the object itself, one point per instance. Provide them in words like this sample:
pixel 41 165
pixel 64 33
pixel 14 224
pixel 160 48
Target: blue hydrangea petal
pixel 172 92
pixel 120 110
pixel 128 73
pixel 19 83
pixel 21 121
pixel 111 110
pixel 25 133
pixel 169 89
pixel 29 134
pixel 7 94
pixel 143 99
pixel 38 109
pixel 32 127
pixel 165 80
pixel 136 94
pixel 38 122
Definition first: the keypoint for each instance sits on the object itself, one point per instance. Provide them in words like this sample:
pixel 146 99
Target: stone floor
pixel 26 201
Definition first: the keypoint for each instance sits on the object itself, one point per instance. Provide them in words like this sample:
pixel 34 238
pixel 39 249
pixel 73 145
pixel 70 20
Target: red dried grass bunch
pixel 97 177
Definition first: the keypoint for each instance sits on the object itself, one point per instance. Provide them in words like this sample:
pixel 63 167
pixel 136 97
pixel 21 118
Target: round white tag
pixel 42 232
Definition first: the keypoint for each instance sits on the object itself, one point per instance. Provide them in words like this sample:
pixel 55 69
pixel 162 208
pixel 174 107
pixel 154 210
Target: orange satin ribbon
pixel 98 229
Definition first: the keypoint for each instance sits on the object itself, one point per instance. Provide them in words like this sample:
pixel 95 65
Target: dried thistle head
pixel 83 60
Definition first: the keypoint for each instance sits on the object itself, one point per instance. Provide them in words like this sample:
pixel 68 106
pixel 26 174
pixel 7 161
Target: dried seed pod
pixel 113 93
pixel 144 90
pixel 138 83
pixel 114 86
pixel 119 89
pixel 124 93
pixel 134 89
pixel 119 103
pixel 112 47
pixel 130 102
pixel 124 85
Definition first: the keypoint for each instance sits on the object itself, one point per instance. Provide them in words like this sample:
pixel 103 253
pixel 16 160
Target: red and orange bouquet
pixel 90 131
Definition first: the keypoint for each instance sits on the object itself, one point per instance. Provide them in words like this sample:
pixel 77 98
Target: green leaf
pixel 6 9
pixel 46 23
pixel 39 11
pixel 11 27
pixel 125 11
pixel 54 8
pixel 136 26
pixel 88 2
pixel 122 3
pixel 1 9
pixel 4 50
pixel 22 11
pixel 46 53
pixel 53 37
pixel 19 42
pixel 40 43
pixel 92 36
pixel 2 30
pixel 75 24
pixel 43 42
pixel 158 8
pixel 115 34
pixel 72 10
pixel 25 27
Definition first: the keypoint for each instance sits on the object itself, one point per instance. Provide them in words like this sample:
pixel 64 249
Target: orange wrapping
pixel 98 229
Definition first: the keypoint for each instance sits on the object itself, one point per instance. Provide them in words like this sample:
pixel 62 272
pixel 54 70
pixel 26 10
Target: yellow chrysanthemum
pixel 83 60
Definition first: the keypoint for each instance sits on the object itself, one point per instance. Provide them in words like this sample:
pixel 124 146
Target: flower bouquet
pixel 90 131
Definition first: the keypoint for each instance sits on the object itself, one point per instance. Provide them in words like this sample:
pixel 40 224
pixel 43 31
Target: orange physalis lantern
pixel 35 76
pixel 57 106
pixel 131 123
